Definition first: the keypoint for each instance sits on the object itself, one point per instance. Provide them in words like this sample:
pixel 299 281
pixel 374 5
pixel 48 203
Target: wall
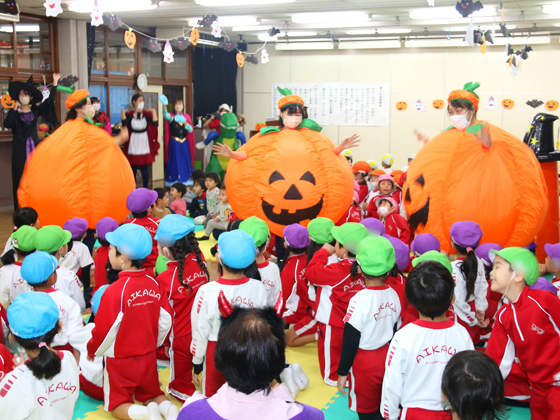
pixel 422 74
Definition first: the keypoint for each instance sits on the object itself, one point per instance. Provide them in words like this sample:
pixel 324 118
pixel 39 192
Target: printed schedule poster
pixel 357 103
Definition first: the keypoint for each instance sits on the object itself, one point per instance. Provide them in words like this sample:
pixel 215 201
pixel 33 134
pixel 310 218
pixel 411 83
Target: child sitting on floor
pixel 179 206
pixel 220 221
pixel 25 216
pixel 395 225
pixel 197 207
pixel 161 205
pixel 78 257
pixel 104 226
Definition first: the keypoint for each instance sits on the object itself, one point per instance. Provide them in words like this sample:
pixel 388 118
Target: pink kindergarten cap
pixel 385 177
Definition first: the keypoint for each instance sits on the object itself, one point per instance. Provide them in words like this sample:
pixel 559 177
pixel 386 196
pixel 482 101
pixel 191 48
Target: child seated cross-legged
pixel 26 216
pixel 220 221
pixel 131 323
pixel 103 227
pixel 419 351
pixel 197 207
pixel 161 204
pixel 179 206
pixel 77 258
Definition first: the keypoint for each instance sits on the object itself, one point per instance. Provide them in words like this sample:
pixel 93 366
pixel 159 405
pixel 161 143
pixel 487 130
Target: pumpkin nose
pixel 292 194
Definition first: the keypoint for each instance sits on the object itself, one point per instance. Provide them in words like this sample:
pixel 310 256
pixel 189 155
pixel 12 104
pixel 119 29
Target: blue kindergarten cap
pixel 32 314
pixel 172 228
pixel 236 249
pixel 133 241
pixel 38 267
pixel 96 299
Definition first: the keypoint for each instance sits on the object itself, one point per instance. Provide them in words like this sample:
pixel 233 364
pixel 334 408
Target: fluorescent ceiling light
pixel 373 31
pixel 482 28
pixel 551 8
pixel 327 17
pixel 267 38
pixel 447 13
pixel 301 33
pixel 285 46
pixel 86 6
pixel 235 21
pixel 358 45
pixel 459 42
pixel 250 28
pixel 207 42
pixel 20 27
pixel 214 3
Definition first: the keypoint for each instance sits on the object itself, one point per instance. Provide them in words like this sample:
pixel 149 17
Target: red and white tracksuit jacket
pixel 398 227
pixel 100 272
pixel 270 278
pixel 354 215
pixel 151 225
pixel 298 303
pixel 363 193
pixel 292 270
pixel 372 207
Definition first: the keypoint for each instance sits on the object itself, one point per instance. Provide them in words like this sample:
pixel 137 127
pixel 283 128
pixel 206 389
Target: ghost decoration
pixel 168 53
pixel 491 104
pixel 151 44
pixel 419 106
pixel 216 30
pixel 11 7
pixel 264 56
pixel 112 22
pixel 52 8
pixel 180 43
pixel 469 37
pixel 46 93
pixel 96 15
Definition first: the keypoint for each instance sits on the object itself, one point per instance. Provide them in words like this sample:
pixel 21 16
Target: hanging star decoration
pixel 180 43
pixel 96 15
pixel 207 21
pixel 112 22
pixel 168 53
pixel 228 45
pixel 216 30
pixel 151 44
pixel 264 56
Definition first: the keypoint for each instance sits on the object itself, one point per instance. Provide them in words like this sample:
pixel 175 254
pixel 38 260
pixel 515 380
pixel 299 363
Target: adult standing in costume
pixel 22 120
pixel 143 146
pixel 179 143
pixel 213 122
pixel 475 171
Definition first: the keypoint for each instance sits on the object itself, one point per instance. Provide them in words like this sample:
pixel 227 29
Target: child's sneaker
pixel 173 413
pixel 153 411
pixel 300 377
pixel 287 377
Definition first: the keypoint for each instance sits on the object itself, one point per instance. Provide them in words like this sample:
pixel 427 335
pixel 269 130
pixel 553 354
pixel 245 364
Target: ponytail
pixel 183 247
pixel 394 271
pixel 469 268
pixel 296 251
pixel 47 364
pixel 252 272
pixel 11 256
pixel 354 269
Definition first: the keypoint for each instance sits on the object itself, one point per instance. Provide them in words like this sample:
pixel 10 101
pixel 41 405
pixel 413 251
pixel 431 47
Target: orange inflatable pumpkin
pixel 78 171
pixel 289 176
pixel 453 178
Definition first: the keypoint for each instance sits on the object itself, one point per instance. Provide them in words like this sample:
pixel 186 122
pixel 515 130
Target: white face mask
pixel 24 100
pixel 460 121
pixel 292 121
pixel 373 186
pixel 383 211
pixel 97 107
pixel 90 111
pixel 140 106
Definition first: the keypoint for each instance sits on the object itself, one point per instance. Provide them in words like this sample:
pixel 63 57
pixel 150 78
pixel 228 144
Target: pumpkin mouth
pixel 286 218
pixel 420 217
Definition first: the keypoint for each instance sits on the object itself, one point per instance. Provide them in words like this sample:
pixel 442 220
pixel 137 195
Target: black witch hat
pixel 540 138
pixel 15 87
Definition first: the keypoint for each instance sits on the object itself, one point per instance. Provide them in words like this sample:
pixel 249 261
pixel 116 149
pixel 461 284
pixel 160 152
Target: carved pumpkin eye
pixel 420 180
pixel 308 176
pixel 275 176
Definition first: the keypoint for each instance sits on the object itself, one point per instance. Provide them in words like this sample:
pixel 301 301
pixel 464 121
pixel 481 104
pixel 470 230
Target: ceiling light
pixel 20 27
pixel 207 42
pixel 237 20
pixel 267 38
pixel 327 17
pixel 301 33
pixel 250 28
pixel 373 31
pixel 360 45
pixel 284 46
pixel 551 8
pixel 215 3
pixel 447 13
pixel 482 28
pixel 85 6
pixel 431 3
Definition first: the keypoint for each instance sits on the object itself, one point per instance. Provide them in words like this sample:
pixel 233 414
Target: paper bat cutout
pixel 11 7
pixel 252 59
pixel 180 43
pixel 477 37
pixel 228 45
pixel 151 44
pixel 68 81
pixel 509 50
pixel 112 22
pixel 524 52
pixel 207 21
pixel 468 7
pixel 535 103
pixel 273 32
pixel 505 31
pixel 488 36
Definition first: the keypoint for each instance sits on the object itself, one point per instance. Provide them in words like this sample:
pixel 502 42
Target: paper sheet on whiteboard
pixel 341 103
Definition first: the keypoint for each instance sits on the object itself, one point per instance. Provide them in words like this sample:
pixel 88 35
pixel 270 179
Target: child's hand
pixel 340 383
pixel 90 359
pixel 480 315
pixel 196 379
pixel 19 360
pixel 350 142
pixel 216 219
pixel 214 215
pixel 484 323
pixel 329 248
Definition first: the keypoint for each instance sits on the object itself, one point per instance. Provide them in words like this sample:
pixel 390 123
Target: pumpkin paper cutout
pixel 438 104
pixel 180 43
pixel 97 16
pixel 491 104
pixel 52 8
pixel 534 103
pixel 168 53
pixel 448 182
pixel 551 105
pixel 264 56
pixel 240 59
pixel 112 22
pixel 419 106
pixel 151 44
pixel 11 7
pixel 295 177
pixel 508 103
pixel 195 36
pixel 401 106
pixel 130 39
pixel 7 101
pixel 88 159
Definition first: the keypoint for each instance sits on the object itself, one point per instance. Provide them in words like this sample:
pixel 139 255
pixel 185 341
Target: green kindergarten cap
pixel 522 261
pixel 433 256
pixel 376 255
pixel 24 238
pixel 51 238
pixel 319 230
pixel 349 235
pixel 257 228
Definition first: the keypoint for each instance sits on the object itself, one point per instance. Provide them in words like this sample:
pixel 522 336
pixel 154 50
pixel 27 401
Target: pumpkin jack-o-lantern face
pixel 420 215
pixel 7 101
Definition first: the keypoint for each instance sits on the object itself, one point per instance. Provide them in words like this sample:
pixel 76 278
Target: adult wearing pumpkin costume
pixel 78 171
pixel 289 174
pixel 479 172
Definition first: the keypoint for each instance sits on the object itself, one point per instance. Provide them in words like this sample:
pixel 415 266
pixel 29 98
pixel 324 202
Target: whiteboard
pixel 353 103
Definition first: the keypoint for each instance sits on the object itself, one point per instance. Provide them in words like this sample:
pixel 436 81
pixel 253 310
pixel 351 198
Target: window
pixel 99 91
pixel 177 69
pixel 99 66
pixel 6 46
pixel 3 90
pixel 152 63
pixel 121 58
pixel 120 99
pixel 33 44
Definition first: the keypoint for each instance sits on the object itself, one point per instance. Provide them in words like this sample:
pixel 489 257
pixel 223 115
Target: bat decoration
pixel 273 32
pixel 505 31
pixel 228 45
pixel 11 7
pixel 68 81
pixel 151 44
pixel 112 22
pixel 524 53
pixel 478 37
pixel 180 43
pixel 488 36
pixel 509 50
pixel 468 7
pixel 535 103
pixel 252 59
pixel 207 21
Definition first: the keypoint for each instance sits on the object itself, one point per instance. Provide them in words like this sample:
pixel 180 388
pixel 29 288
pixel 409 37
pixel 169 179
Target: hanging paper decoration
pixel 489 37
pixel 216 30
pixel 240 59
pixel 228 45
pixel 468 7
pixel 401 106
pixel 524 52
pixel 502 9
pixel 207 21
pixel 46 93
pixel 491 104
pixel 130 39
pixel 252 58
pixel 551 105
pixel 96 15
pixel 469 37
pixel 180 43
pixel 505 31
pixel 11 7
pixel 112 22
pixel 273 32
pixel 195 36
pixel 264 56
pixel 438 104
pixel 534 103
pixel 52 7
pixel 419 106
pixel 168 53
pixel 508 103
pixel 68 81
pixel 477 37
pixel 7 101
pixel 151 44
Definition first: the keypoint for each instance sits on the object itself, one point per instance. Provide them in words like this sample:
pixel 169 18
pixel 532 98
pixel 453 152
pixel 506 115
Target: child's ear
pixel 453 301
pixel 518 278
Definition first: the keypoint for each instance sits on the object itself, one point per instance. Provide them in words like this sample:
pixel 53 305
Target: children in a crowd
pixel 423 243
pixel 77 258
pixel 387 189
pixel 47 386
pixel 372 316
pixel 361 169
pixel 470 282
pixel 236 251
pixel 22 243
pixel 140 202
pixel 354 213
pixel 373 186
pixel 387 161
pixel 526 328
pixel 179 206
pixel 319 231
pixel 336 287
pixel 395 225
pixel 179 284
pixel 197 207
pixel 402 256
pixel 26 216
pixel 374 226
pixel 130 325
pixel 104 226
pixel 296 240
pixel 220 221
pixel 419 351
pixel 494 299
pixel 161 204
pixel 473 386
pixel 213 184
pixel 553 263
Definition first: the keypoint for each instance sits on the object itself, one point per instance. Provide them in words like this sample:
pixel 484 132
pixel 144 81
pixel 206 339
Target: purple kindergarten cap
pixel 466 234
pixel 543 284
pixel 402 253
pixel 374 226
pixel 76 226
pixel 296 236
pixel 553 251
pixel 140 200
pixel 104 226
pixel 423 243
pixel 483 251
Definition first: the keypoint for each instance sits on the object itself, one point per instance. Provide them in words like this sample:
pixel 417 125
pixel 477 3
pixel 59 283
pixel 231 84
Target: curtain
pixel 90 33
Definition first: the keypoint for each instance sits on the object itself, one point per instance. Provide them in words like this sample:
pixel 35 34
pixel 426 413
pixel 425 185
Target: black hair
pixel 94 99
pixel 197 174
pixel 456 103
pixel 135 263
pixel 135 97
pixel 233 225
pixel 314 247
pixel 469 268
pixel 47 364
pixel 293 109
pixel 474 386
pixel 72 113
pixel 103 242
pixel 42 284
pixel 12 255
pixel 160 193
pixel 215 177
pixel 180 250
pixel 487 271
pixel 180 187
pixel 176 101
pixel 355 273
pixel 250 351
pixel 26 216
pixel 230 269
pixel 430 288
pixel 395 271
pixel 252 271
pixel 112 274
pixel 200 182
pixel 296 251
pixel 141 214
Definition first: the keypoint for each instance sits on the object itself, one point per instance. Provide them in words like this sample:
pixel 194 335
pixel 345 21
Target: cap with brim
pixel 23 239
pixel 374 226
pixel 388 160
pixel 349 235
pixel 14 89
pixel 38 267
pixel 319 230
pixel 77 227
pixel 433 256
pixel 361 167
pixel 76 97
pixel 423 243
pixel 386 177
pixel 376 256
pixel 141 199
pixel 133 241
pixel 32 315
pixel 553 251
pixel 483 251
pixel 225 106
pixel 236 249
pixel 402 253
pixel 296 236
pixel 373 164
pixel 173 227
pixel 377 172
pixel 51 238
pixel 104 226
pixel 466 234
pixel 257 228
pixel 96 299
pixel 522 261
pixel 386 198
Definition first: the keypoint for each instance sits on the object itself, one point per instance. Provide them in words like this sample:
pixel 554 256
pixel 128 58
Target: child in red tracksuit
pixel 361 169
pixel 528 327
pixel 337 287
pixel 387 188
pixel 129 326
pixel 296 239
pixel 104 226
pixel 395 225
pixel 179 284
pixel 354 213
pixel 140 202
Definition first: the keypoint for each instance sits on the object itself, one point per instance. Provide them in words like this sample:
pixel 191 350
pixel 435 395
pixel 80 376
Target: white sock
pixel 164 407
pixel 138 412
